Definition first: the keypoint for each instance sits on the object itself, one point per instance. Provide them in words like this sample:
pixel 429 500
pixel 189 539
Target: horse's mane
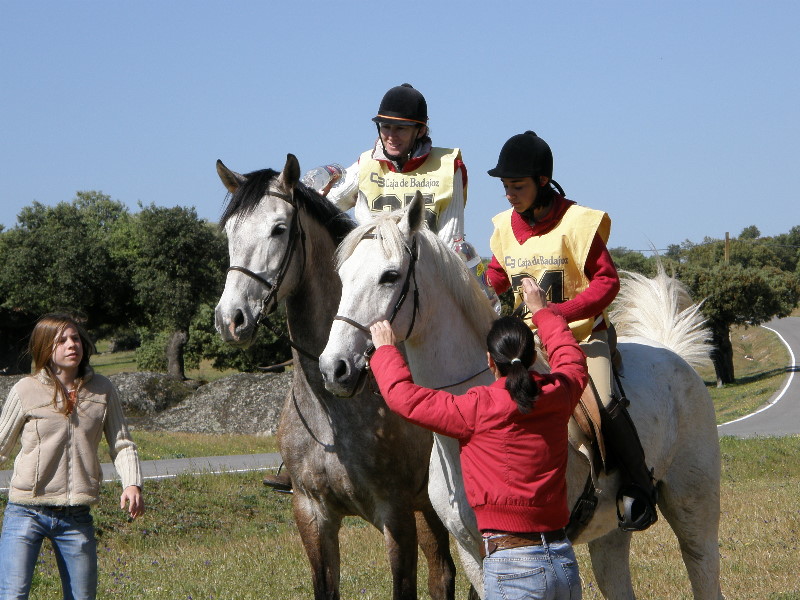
pixel 661 309
pixel 451 271
pixel 244 201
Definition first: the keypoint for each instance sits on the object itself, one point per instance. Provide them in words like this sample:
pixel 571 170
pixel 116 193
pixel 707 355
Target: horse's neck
pixel 448 347
pixel 312 304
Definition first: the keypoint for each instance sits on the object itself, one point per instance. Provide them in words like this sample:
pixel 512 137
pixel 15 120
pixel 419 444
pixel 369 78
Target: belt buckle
pixel 488 547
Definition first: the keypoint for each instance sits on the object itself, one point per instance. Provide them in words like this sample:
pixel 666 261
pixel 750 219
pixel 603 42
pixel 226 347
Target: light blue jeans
pixel 71 532
pixel 546 572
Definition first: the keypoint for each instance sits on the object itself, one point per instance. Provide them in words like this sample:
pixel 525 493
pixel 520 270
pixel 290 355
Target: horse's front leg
pixel 400 535
pixel 319 532
pixel 434 540
pixel 449 500
pixel 611 565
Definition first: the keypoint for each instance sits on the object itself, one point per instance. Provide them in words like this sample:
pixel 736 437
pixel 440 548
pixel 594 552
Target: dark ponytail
pixel 511 346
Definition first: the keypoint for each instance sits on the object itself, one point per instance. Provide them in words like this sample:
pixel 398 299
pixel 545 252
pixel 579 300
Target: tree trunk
pixel 175 346
pixel 722 355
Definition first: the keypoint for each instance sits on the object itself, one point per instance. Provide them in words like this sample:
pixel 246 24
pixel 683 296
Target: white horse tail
pixel 661 309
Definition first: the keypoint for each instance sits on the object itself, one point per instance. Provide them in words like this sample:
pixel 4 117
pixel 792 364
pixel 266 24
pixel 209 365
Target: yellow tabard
pixel 555 260
pixel 386 190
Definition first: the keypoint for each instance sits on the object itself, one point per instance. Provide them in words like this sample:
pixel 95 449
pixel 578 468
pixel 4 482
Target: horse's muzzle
pixel 341 376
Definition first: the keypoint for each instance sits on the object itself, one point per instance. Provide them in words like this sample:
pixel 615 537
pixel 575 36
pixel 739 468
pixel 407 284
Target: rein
pixel 520 311
pixel 444 387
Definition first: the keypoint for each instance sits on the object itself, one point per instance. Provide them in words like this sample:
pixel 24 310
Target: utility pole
pixel 727 247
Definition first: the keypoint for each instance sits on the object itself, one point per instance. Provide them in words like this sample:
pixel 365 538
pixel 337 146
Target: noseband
pixel 411 274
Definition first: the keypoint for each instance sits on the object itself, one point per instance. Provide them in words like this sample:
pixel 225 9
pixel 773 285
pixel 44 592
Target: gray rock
pixel 146 393
pixel 248 403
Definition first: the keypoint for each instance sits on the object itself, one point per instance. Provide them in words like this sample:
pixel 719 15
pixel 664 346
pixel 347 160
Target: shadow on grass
pixel 755 377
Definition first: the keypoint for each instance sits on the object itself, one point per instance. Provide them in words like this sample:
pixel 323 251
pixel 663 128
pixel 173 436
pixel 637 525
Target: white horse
pixel 444 321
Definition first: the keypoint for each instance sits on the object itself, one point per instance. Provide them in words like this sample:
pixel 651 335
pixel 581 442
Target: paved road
pixel 781 416
pixel 163 469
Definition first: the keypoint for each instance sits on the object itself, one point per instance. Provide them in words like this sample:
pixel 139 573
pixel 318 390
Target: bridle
pixel 411 274
pixel 295 231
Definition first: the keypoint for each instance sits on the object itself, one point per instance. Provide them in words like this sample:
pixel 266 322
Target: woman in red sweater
pixel 562 245
pixel 513 438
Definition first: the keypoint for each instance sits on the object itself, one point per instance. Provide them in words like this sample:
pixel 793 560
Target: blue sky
pixel 680 119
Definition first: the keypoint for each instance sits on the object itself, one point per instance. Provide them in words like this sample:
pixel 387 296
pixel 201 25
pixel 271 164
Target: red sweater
pixel 600 270
pixel 514 465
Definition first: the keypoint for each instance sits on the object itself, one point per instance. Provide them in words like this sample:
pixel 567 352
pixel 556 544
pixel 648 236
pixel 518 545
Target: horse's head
pixel 261 222
pixel 377 266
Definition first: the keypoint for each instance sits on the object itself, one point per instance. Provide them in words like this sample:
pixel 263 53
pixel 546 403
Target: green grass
pixel 227 537
pixel 771 459
pixel 157 445
pixel 759 362
pixel 110 363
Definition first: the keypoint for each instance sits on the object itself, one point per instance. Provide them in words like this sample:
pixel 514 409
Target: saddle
pixel 585 427
pixel 586 417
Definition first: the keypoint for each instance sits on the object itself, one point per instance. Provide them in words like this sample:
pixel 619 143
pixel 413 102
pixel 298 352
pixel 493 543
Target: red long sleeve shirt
pixel 514 465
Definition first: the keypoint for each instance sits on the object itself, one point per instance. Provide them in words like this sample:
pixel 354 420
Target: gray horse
pixel 345 456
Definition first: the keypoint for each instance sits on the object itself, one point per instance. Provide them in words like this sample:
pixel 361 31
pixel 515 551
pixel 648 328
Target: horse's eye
pixel 279 229
pixel 389 277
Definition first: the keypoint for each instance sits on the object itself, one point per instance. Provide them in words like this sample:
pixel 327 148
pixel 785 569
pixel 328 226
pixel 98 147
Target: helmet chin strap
pixel 527 214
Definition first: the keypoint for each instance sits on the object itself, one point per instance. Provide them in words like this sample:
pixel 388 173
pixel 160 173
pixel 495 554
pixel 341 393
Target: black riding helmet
pixel 524 155
pixel 403 105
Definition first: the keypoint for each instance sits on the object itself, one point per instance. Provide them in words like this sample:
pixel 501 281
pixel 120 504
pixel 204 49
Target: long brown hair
pixel 46 332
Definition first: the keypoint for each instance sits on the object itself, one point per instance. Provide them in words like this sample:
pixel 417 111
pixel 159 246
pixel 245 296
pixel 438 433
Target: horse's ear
pixel 291 173
pixel 413 218
pixel 362 212
pixel 230 179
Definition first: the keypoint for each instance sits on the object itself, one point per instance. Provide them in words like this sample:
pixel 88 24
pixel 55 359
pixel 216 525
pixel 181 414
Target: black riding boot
pixel 637 495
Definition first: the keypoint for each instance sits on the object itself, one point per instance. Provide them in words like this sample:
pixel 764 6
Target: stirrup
pixel 279 483
pixel 636 508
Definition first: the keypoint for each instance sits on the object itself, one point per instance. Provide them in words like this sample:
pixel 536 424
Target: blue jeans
pixel 71 532
pixel 546 572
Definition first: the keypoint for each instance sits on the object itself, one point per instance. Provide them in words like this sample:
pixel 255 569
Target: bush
pixel 151 354
pixel 205 342
pixel 125 339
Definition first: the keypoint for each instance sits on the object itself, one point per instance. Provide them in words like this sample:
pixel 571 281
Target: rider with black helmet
pixel 562 246
pixel 402 161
